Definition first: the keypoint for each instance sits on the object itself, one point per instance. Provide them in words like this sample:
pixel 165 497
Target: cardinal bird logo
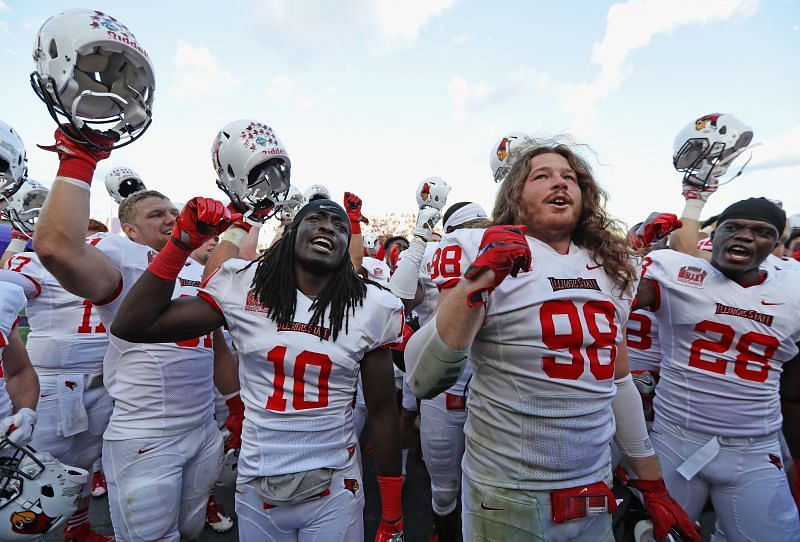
pixel 703 121
pixel 351 485
pixel 502 149
pixel 426 192
pixel 70 384
pixel 32 521
pixel 775 460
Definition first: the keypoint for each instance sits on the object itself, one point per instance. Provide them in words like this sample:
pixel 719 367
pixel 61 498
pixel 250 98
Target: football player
pixel 729 331
pixel 298 473
pixel 66 343
pixel 161 444
pixel 551 378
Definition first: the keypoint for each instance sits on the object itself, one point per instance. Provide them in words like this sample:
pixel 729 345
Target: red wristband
pixel 391 488
pixel 75 167
pixel 169 262
pixel 355 227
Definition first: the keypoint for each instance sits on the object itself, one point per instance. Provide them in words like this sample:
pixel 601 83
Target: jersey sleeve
pixel 660 266
pixel 385 320
pixel 216 288
pixel 25 270
pixel 455 253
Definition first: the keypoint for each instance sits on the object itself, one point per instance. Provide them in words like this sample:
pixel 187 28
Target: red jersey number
pixel 750 363
pixel 277 401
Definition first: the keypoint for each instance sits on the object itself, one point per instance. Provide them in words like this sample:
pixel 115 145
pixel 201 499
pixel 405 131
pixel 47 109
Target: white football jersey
pixel 539 407
pixel 641 334
pixel 781 263
pixel 66 331
pixel 12 301
pixel 723 345
pixel 297 382
pixel 158 389
pixel 377 270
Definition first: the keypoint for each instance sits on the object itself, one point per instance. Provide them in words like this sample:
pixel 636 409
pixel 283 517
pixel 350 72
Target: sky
pixel 372 96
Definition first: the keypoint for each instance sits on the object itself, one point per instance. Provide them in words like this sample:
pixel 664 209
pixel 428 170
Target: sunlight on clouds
pixel 402 20
pixel 284 90
pixel 779 151
pixel 4 6
pixel 199 73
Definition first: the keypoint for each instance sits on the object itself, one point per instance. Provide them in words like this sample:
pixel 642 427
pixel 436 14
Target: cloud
pixel 631 26
pixel 779 151
pixel 386 24
pixel 199 73
pixel 4 7
pixel 461 39
pixel 284 90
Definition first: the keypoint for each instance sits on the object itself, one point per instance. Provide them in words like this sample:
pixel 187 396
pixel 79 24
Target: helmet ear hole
pixel 47 491
pixel 53 49
pixel 723 130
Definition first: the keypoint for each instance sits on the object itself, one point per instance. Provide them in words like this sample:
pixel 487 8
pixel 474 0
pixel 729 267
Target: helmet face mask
pixel 91 71
pixel 289 203
pixel 13 161
pixel 253 168
pixel 24 206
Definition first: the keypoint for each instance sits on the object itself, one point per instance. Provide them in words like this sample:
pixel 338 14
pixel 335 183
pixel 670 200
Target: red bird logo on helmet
pixel 703 121
pixel 502 149
pixel 32 521
pixel 426 192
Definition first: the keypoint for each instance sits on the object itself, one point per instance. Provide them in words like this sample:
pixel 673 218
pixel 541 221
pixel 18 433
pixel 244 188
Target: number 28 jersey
pixel 297 383
pixel 539 409
pixel 723 345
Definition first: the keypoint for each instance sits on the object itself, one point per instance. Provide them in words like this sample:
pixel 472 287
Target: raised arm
pixel 160 318
pixel 60 237
pixel 352 204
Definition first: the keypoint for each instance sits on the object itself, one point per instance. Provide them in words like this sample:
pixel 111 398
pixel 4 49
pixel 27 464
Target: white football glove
pixel 18 428
pixel 426 221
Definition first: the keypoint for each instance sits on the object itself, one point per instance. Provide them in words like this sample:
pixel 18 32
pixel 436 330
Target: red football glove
pixel 352 204
pixel 654 229
pixel 200 220
pixel 390 530
pixel 237 221
pixel 503 250
pixel 234 422
pixel 664 511
pixel 76 160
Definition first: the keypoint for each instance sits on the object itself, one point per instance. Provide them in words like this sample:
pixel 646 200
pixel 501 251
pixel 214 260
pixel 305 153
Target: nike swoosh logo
pixel 769 303
pixel 145 450
pixel 593 267
pixel 484 507
pixel 46 395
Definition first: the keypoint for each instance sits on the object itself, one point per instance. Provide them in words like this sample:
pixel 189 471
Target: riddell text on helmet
pixel 127 41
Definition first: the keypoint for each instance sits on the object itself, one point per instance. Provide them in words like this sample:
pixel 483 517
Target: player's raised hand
pixel 352 204
pixel 665 513
pixel 200 220
pixel 426 221
pixel 654 229
pixel 504 251
pixel 695 191
pixel 79 160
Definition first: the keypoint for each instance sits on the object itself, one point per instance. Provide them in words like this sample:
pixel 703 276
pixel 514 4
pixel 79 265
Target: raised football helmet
pixel 705 148
pixel 369 241
pixel 122 182
pixel 13 162
pixel 253 168
pixel 91 70
pixel 317 191
pixel 500 156
pixel 289 203
pixel 38 493
pixel 432 192
pixel 25 205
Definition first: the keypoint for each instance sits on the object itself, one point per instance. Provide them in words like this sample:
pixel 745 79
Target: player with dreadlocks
pixel 300 310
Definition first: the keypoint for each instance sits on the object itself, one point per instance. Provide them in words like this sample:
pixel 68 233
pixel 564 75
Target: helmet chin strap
pixel 729 159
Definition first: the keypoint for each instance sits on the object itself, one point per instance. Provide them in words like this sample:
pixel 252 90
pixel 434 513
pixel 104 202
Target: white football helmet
pixel 500 157
pixel 432 192
pixel 25 205
pixel 289 203
pixel 38 493
pixel 13 161
pixel 253 168
pixel 369 241
pixel 91 70
pixel 317 191
pixel 122 182
pixel 705 148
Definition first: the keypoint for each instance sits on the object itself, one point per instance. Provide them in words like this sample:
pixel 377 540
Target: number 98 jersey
pixel 723 345
pixel 297 383
pixel 540 398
